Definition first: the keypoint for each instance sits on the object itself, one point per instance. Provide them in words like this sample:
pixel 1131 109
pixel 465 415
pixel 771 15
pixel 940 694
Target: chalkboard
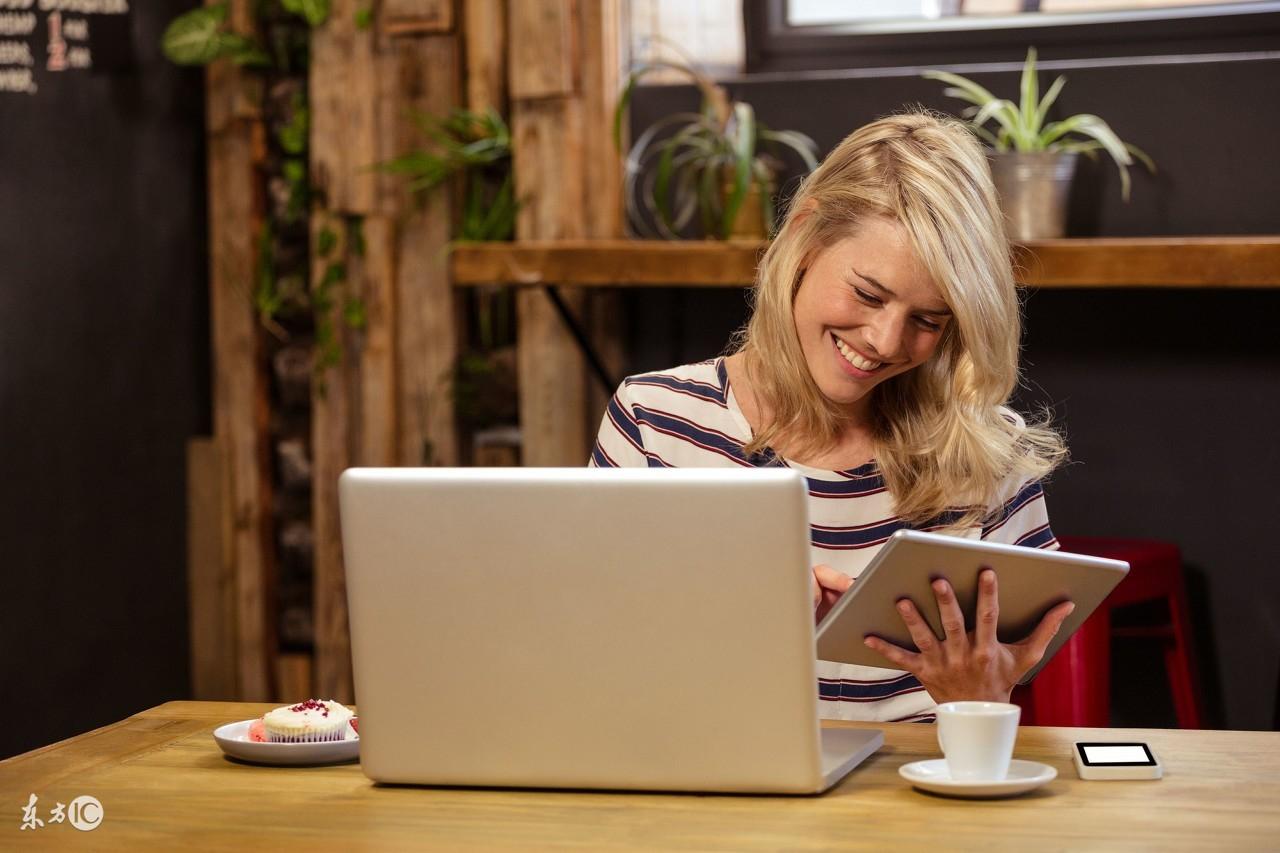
pixel 43 42
pixel 104 361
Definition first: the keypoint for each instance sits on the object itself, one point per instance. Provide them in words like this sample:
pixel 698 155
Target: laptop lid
pixel 584 628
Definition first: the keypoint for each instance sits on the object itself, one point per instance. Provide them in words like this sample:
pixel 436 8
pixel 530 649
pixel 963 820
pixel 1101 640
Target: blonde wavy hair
pixel 943 436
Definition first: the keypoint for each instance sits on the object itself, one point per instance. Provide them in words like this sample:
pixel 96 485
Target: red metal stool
pixel 1074 689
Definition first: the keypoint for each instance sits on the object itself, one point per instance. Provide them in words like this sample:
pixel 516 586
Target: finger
pixel 921 633
pixel 988 613
pixel 949 610
pixel 1033 647
pixel 899 657
pixel 830 579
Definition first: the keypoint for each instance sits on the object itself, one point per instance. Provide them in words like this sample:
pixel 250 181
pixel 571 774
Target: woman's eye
pixel 866 297
pixel 928 325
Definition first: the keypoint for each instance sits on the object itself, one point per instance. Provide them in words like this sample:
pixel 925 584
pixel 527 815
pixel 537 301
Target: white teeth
pixel 855 359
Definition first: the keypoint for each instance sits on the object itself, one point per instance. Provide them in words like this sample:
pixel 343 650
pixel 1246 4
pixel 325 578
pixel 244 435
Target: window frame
pixel 774 46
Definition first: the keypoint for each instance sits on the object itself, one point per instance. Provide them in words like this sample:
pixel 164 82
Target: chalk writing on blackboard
pixel 41 38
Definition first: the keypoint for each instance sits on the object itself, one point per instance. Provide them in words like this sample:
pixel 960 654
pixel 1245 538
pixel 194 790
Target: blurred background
pixel 225 276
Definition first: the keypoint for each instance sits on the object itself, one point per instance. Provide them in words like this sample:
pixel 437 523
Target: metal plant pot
pixel 1033 192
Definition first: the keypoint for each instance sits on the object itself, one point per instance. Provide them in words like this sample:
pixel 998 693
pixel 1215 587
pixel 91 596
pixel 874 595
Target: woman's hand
pixel 974 664
pixel 828 586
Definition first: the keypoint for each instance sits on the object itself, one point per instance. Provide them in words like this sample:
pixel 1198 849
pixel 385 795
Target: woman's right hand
pixel 828 586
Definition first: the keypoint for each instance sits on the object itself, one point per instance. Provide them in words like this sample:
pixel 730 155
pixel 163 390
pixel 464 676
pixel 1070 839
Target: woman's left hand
pixel 973 664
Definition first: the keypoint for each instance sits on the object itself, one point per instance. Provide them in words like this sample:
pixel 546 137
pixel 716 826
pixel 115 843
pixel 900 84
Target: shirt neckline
pixel 735 411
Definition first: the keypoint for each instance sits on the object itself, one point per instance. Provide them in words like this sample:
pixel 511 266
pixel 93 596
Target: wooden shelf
pixel 1075 263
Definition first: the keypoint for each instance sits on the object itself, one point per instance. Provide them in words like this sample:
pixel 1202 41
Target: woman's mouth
pixel 858 366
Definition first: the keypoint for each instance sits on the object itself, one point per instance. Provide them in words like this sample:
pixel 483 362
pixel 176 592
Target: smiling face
pixel 867 310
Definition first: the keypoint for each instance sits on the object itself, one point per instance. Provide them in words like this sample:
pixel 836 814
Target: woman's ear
pixel 802 213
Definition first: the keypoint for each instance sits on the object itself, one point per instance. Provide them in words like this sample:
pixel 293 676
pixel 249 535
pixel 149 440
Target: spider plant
pixel 707 162
pixel 478 147
pixel 1022 127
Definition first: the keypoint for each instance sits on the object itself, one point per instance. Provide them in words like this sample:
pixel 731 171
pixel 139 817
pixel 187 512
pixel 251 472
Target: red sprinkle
pixel 312 705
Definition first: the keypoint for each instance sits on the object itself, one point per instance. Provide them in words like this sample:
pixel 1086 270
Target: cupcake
pixel 311 721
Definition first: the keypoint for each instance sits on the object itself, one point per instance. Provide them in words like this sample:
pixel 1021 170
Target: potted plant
pixel 710 163
pixel 1034 159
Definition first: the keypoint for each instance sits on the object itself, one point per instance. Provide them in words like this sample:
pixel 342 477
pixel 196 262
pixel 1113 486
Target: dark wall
pixel 103 377
pixel 1170 399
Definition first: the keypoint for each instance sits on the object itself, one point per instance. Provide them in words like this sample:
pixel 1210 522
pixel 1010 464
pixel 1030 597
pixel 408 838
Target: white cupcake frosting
pixel 311 716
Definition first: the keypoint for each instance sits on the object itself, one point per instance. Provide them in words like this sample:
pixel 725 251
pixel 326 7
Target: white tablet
pixel 1031 582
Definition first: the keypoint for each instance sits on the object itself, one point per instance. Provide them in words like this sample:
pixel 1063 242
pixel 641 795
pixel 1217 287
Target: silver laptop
pixel 587 628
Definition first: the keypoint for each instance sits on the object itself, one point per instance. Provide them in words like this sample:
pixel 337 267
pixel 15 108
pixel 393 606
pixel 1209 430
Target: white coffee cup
pixel 977 738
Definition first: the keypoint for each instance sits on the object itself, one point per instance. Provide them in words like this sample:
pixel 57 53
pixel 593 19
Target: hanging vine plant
pixel 284 293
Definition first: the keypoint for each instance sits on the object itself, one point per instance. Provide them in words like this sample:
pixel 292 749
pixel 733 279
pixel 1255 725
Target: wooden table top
pixel 163 782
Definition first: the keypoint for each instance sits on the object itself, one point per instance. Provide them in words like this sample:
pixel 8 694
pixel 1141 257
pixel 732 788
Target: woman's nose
pixel 886 334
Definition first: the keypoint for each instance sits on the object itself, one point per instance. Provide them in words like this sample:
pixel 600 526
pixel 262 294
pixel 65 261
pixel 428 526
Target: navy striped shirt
pixel 687 417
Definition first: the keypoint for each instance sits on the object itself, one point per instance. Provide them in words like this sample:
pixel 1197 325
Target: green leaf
pixel 1142 157
pixel 364 18
pixel 314 12
pixel 986 135
pixel 797 142
pixel 764 186
pixel 1030 95
pixel 354 313
pixel 1042 112
pixel 962 87
pixel 293 136
pixel 355 236
pixel 743 137
pixel 633 79
pixel 1097 129
pixel 1006 113
pixel 326 240
pixel 334 273
pixel 248 55
pixel 662 179
pixel 195 37
pixel 709 197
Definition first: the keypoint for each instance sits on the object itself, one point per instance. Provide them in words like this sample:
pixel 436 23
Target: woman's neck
pixel 852 448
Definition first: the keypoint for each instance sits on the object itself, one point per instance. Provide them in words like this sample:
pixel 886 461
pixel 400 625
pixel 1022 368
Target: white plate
pixel 234 740
pixel 933 776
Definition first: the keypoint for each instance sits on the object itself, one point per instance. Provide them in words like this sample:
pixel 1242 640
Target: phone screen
pixel 1116 753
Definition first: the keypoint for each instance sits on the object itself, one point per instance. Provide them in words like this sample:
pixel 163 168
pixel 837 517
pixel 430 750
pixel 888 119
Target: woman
pixel 880 353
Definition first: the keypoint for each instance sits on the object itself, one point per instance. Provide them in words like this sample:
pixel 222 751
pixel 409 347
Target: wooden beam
pixel 331 451
pixel 373 279
pixel 236 147
pixel 295 677
pixel 211 582
pixel 1154 261
pixel 607 263
pixel 416 17
pixel 1078 262
pixel 485 31
pixel 343 93
pixel 601 51
pixel 547 139
pixel 543 38
pixel 426 332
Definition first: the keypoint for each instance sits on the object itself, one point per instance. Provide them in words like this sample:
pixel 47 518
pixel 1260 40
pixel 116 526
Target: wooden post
pixel 604 58
pixel 485 32
pixel 389 402
pixel 211 583
pixel 428 72
pixel 563 76
pixel 235 144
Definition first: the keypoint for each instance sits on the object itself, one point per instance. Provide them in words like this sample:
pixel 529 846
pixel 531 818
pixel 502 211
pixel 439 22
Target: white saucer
pixel 933 776
pixel 234 740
